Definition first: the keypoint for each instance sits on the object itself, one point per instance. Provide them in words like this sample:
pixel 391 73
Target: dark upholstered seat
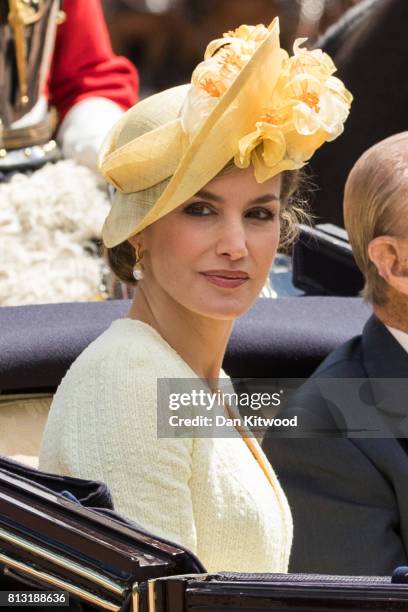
pixel 287 337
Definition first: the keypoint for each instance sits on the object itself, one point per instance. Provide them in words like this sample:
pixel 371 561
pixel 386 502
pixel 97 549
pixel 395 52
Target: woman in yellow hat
pixel 203 176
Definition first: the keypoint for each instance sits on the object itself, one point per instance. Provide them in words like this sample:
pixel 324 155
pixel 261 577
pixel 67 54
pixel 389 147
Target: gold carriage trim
pixel 38 134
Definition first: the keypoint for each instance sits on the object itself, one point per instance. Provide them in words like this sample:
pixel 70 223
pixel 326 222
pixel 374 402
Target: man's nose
pixel 232 239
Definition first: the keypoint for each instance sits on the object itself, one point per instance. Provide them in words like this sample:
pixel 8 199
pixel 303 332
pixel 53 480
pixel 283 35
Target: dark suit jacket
pixel 348 495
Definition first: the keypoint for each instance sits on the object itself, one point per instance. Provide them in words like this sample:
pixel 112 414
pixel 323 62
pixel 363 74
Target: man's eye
pixel 198 210
pixel 260 213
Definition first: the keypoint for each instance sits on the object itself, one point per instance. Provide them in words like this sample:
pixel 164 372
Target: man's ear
pixel 390 257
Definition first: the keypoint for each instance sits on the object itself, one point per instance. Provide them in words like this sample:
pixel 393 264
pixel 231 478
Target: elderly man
pixel 348 492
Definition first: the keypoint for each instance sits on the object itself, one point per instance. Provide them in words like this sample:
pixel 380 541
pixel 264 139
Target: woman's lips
pixel 224 281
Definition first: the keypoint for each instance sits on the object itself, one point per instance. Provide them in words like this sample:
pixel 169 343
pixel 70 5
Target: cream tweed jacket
pixel 208 494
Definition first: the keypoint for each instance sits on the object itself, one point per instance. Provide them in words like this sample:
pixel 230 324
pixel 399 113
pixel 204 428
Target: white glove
pixel 84 128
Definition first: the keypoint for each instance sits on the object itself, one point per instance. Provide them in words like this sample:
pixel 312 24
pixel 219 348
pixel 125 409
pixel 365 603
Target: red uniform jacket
pixel 84 64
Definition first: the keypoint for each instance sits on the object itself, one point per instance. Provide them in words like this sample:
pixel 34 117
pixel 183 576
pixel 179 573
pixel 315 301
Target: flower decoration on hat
pixel 308 105
pixel 223 60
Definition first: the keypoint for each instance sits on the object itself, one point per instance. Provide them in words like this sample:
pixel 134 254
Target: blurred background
pixel 166 39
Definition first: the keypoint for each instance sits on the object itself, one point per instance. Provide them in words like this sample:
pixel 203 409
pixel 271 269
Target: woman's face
pixel 213 253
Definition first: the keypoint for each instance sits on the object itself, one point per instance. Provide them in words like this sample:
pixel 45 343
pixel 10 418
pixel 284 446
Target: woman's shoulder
pixel 118 373
pixel 129 346
pixel 108 397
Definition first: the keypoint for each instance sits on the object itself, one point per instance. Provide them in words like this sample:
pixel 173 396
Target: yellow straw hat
pixel 248 101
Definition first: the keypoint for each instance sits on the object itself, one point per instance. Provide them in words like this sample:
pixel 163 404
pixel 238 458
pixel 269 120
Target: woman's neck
pixel 200 341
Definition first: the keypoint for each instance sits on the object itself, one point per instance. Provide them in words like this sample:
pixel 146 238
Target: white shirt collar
pixel 400 336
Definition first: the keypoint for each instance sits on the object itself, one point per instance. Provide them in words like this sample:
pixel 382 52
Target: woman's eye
pixel 199 210
pixel 263 214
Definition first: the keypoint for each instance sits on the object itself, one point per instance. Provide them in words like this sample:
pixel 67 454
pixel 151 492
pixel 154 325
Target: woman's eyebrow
pixel 268 197
pixel 203 193
pixel 208 195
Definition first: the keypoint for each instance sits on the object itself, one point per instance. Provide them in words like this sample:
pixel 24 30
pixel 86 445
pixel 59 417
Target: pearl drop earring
pixel 138 270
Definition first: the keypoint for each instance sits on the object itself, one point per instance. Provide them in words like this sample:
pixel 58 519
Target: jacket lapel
pixel 384 358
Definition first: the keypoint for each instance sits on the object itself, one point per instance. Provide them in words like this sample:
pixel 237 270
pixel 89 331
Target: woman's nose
pixel 232 240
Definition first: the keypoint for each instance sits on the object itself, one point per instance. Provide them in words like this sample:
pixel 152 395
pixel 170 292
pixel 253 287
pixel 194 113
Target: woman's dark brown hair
pixel 121 258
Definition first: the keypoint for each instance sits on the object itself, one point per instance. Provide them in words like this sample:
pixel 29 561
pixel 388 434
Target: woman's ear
pixel 136 240
pixel 390 257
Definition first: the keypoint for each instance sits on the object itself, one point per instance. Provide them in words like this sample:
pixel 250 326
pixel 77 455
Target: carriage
pixel 60 537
